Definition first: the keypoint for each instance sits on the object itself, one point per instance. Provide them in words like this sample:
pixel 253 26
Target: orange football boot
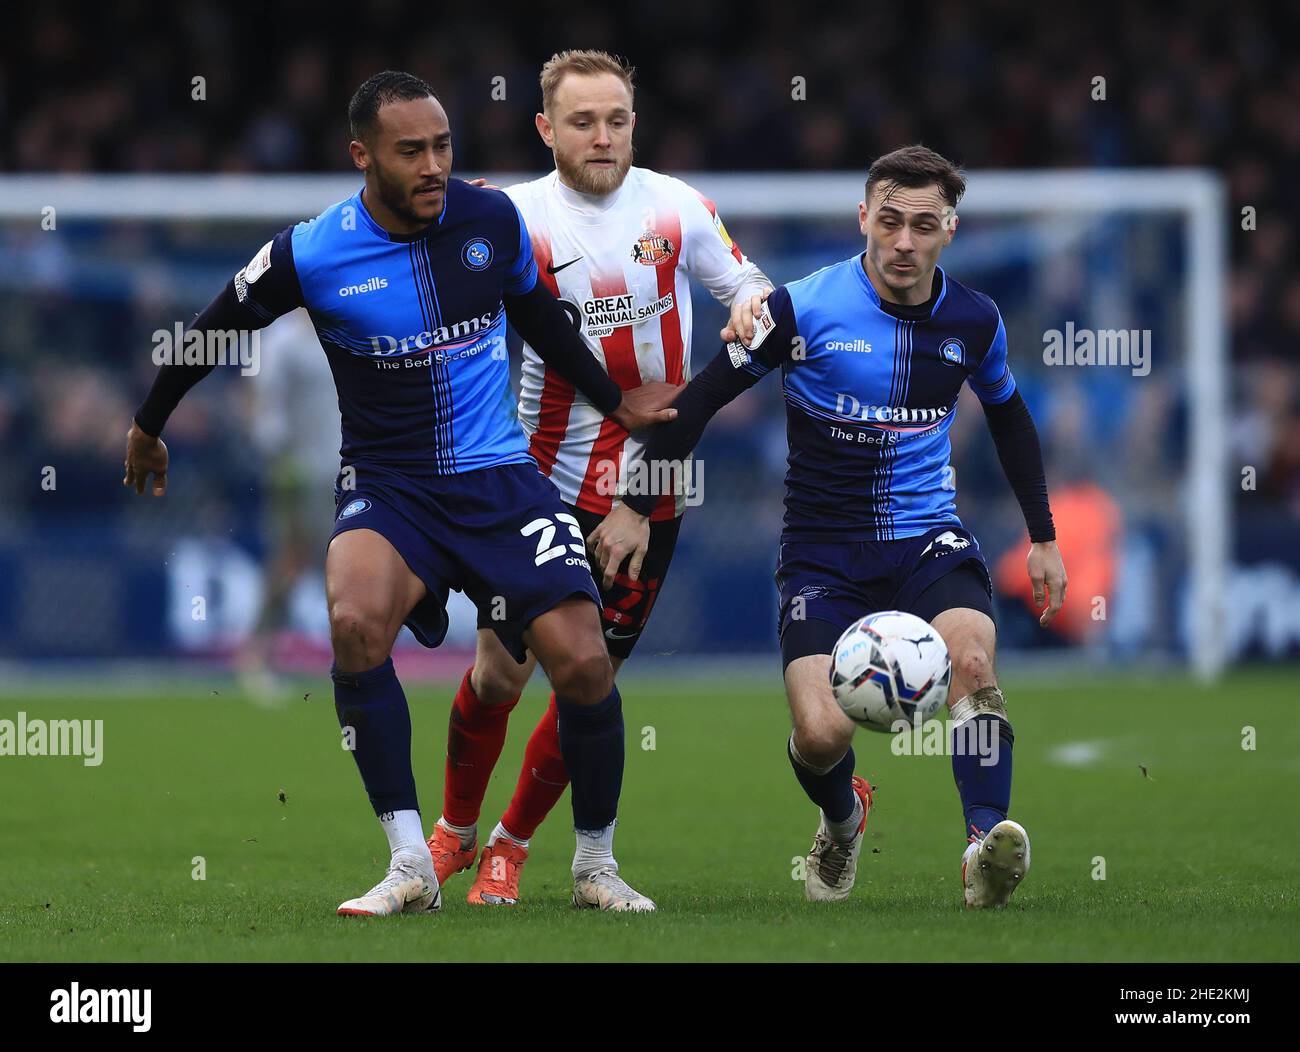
pixel 449 857
pixel 497 882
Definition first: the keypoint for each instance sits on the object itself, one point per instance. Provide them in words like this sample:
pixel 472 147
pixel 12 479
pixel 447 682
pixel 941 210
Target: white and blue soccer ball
pixel 890 671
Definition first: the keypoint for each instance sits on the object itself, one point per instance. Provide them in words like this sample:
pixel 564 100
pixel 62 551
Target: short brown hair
pixel 918 165
pixel 582 63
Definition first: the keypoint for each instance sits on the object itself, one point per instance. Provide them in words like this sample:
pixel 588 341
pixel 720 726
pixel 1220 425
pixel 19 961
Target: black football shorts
pixel 625 607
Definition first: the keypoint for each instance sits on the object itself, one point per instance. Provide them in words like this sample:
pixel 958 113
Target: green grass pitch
pixel 1200 851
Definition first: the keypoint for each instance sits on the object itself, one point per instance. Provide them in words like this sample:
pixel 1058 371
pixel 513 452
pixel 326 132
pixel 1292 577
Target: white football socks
pixel 844 832
pixel 595 851
pixel 468 834
pixel 405 835
pixel 500 832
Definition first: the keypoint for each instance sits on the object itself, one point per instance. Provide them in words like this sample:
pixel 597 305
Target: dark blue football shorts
pixel 501 535
pixel 825 586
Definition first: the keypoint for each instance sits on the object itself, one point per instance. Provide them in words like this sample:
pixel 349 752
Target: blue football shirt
pixel 870 398
pixel 414 328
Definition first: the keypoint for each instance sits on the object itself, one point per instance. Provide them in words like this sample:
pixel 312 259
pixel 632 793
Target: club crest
pixel 651 249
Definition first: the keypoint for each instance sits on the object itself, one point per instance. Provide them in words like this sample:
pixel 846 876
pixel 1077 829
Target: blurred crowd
pixel 723 87
pixel 211 87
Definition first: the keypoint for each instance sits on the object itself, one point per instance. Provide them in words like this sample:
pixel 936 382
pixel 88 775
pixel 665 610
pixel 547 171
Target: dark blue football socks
pixel 981 766
pixel 591 742
pixel 831 791
pixel 371 708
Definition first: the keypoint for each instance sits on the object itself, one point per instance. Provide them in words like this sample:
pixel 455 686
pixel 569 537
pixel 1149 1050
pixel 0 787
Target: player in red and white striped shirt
pixel 622 262
pixel 618 245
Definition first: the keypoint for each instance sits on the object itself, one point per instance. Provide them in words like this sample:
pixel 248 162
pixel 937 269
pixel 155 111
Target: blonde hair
pixel 581 63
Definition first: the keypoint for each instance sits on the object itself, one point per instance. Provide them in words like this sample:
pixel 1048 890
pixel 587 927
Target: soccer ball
pixel 890 667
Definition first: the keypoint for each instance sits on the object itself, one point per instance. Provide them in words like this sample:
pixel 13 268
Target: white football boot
pixel 409 887
pixel 604 889
pixel 833 866
pixel 992 868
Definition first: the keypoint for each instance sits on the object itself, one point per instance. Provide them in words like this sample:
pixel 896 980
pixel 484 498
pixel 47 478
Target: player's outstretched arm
pixel 146 453
pixel 1021 455
pixel 626 530
pixel 257 295
pixel 538 317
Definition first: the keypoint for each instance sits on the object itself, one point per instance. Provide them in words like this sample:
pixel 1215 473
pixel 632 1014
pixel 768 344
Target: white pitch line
pixel 1076 754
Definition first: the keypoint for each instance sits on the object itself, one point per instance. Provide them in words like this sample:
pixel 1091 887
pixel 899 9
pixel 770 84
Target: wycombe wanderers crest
pixel 651 249
pixel 477 253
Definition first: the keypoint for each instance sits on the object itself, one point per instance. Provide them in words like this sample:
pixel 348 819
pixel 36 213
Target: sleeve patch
pixel 259 264
pixel 764 323
pixel 722 232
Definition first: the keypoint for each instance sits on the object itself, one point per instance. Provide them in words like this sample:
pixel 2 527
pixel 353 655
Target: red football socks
pixel 541 782
pixel 474 740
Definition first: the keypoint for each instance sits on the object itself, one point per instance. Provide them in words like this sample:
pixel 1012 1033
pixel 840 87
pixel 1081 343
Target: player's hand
pixel 1047 574
pixel 480 181
pixel 646 405
pixel 145 456
pixel 742 318
pixel 622 533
